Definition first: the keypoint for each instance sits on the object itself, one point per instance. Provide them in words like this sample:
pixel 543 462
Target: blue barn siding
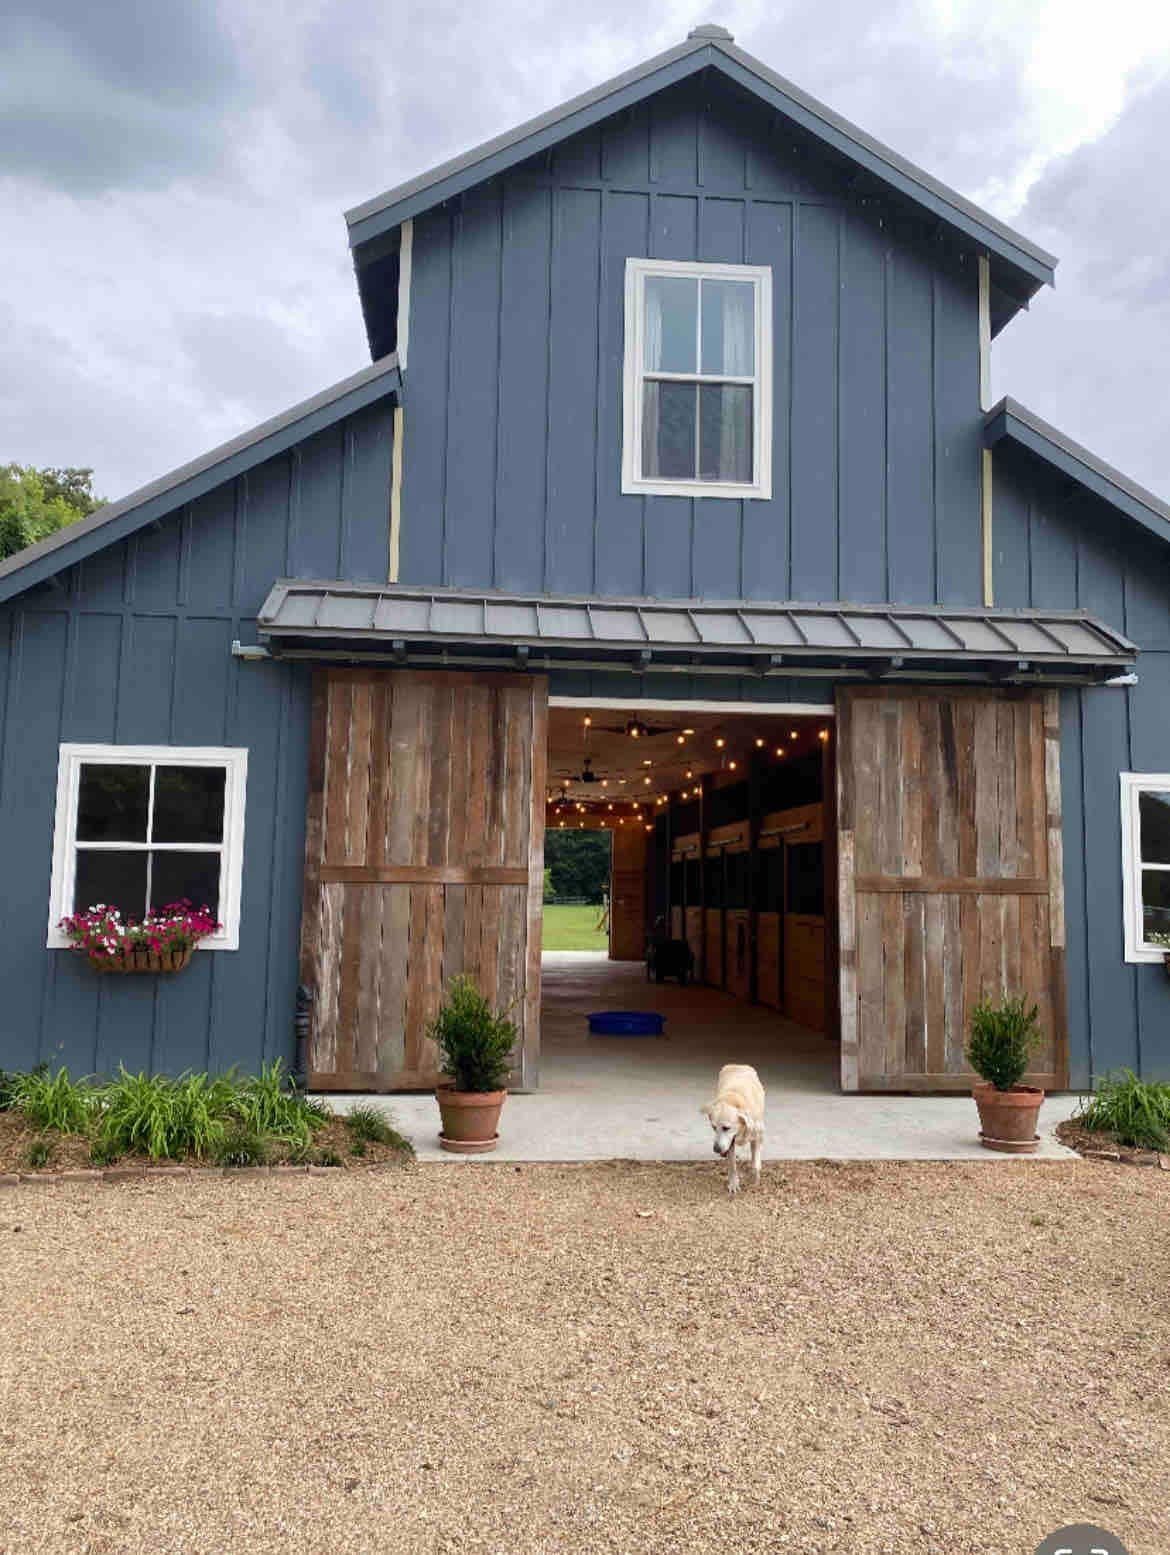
pixel 135 648
pixel 1058 547
pixel 513 413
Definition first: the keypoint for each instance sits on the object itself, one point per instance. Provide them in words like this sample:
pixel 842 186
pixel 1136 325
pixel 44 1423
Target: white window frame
pixel 234 761
pixel 1133 785
pixel 633 481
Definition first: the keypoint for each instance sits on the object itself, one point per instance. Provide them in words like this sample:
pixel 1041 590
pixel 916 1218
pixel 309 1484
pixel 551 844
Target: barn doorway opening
pixel 721 823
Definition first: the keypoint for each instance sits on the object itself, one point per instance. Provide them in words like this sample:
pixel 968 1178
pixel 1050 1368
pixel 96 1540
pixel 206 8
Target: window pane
pixel 105 878
pixel 1154 808
pixel 191 877
pixel 111 803
pixel 729 328
pixel 668 431
pixel 725 433
pixel 1155 902
pixel 670 324
pixel 188 804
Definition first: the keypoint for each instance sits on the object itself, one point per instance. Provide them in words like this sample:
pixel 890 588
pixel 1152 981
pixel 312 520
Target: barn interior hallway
pixel 704 1029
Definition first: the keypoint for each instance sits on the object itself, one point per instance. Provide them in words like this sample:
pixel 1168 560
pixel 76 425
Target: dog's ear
pixel 706 1110
pixel 745 1124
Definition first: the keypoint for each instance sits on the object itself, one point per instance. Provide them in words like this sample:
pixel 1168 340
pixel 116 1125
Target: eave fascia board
pixel 376 216
pixel 1014 422
pixel 116 520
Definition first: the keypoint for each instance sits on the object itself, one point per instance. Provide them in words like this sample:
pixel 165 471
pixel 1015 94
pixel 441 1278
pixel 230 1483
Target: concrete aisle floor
pixel 618 1098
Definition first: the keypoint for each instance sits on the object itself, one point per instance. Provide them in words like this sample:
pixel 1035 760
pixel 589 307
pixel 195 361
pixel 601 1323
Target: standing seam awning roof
pixel 786 634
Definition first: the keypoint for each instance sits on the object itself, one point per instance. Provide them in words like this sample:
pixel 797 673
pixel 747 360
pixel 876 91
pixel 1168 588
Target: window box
pixel 697 380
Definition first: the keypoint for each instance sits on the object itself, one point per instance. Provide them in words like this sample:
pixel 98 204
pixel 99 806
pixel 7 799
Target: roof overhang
pixel 458 628
pixel 116 520
pixel 1019 266
pixel 1012 422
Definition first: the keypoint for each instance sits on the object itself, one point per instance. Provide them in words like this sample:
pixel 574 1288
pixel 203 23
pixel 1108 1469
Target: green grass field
pixel 572 928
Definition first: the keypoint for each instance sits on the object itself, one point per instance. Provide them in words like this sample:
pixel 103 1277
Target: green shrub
pixel 242 1145
pixel 54 1101
pixel 7 1090
pixel 1136 1112
pixel 39 1153
pixel 327 1157
pixel 474 1044
pixel 145 1114
pixel 357 1147
pixel 367 1124
pixel 1003 1037
pixel 103 1152
pixel 271 1104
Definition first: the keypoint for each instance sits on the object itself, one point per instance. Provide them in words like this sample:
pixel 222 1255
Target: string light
pixel 779 750
pixel 688 731
pixel 824 734
pixel 646 762
pixel 588 722
pixel 720 743
pixel 759 744
pixel 732 765
pixel 680 739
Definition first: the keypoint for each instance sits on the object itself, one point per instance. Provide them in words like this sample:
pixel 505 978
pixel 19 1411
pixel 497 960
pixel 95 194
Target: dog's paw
pixel 733 1186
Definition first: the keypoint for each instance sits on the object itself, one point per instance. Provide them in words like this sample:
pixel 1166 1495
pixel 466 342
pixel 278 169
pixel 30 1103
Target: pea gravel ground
pixel 859 1358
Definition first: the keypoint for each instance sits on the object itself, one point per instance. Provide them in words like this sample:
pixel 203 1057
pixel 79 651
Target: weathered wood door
pixel 423 858
pixel 950 877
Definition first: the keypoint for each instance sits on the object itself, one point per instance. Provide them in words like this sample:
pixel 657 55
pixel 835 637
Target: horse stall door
pixel 424 858
pixel 950 878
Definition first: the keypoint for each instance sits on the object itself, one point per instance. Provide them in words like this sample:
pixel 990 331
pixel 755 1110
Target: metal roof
pixel 780 637
pixel 1015 422
pixel 116 520
pixel 705 47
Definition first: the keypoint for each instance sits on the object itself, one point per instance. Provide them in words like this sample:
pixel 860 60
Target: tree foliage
pixel 577 864
pixel 35 503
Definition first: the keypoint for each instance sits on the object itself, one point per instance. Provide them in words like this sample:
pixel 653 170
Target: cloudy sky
pixel 173 175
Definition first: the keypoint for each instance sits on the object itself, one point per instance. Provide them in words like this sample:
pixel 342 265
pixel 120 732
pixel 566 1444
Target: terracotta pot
pixel 1007 1119
pixel 471 1120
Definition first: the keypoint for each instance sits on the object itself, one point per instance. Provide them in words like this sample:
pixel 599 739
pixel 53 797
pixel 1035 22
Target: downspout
pixel 986 472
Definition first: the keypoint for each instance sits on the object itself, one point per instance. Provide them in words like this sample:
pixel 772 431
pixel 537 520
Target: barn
pixel 672 502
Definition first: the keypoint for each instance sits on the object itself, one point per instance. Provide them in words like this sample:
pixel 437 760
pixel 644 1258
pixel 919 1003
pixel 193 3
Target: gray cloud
pixel 1091 355
pixel 94 97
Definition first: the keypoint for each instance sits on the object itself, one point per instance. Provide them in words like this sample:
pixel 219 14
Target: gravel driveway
pixel 588 1358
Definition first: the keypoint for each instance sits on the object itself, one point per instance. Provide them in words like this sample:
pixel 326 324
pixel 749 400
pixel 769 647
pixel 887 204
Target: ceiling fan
pixel 637 730
pixel 586 774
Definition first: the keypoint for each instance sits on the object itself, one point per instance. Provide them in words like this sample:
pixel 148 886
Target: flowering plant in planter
pixel 164 941
pixel 1163 943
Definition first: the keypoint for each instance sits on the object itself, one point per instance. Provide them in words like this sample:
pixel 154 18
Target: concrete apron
pixel 619 1098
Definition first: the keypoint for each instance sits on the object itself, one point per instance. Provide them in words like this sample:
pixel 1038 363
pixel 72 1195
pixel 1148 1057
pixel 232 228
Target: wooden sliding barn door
pixel 423 858
pixel 951 885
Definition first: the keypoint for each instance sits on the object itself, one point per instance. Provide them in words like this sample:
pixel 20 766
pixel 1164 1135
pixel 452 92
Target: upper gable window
pixel 698 373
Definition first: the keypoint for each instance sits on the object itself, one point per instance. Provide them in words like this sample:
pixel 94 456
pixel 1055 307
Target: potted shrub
pixel 1003 1037
pixel 475 1049
pixel 1163 943
pixel 164 941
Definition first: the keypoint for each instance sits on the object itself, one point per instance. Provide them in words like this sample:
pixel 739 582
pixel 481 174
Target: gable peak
pixel 711 30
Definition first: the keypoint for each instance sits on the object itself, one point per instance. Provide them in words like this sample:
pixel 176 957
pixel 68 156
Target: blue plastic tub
pixel 626 1023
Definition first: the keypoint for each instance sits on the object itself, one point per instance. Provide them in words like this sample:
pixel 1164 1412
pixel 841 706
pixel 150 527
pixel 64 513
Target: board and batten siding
pixel 1056 546
pixel 133 646
pixel 513 410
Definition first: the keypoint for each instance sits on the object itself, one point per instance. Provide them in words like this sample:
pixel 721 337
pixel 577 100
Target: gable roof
pixel 1019 266
pixel 1017 424
pixel 116 520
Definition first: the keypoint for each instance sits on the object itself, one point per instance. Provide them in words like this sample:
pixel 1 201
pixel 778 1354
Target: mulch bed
pixel 332 1146
pixel 1105 1147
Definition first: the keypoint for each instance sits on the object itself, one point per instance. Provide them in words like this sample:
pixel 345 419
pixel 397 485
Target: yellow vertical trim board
pixel 984 332
pixel 395 495
pixel 988 552
pixel 402 347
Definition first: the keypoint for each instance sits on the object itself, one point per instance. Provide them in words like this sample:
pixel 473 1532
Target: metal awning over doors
pixel 461 628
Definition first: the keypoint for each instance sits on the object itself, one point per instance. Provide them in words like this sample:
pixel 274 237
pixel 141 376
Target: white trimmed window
pixel 698 376
pixel 1145 843
pixel 141 826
